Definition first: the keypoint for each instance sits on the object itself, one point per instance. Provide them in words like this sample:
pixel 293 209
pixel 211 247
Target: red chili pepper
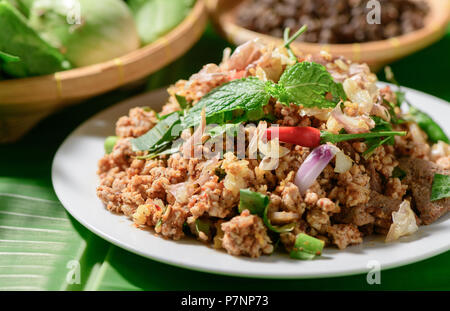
pixel 299 135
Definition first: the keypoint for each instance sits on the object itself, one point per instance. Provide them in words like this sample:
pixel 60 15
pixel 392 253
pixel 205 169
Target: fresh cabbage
pixel 86 31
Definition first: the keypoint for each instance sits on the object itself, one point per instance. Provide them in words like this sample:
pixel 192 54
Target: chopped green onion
pixel 278 229
pixel 202 226
pixel 306 247
pixel 255 202
pixel 110 142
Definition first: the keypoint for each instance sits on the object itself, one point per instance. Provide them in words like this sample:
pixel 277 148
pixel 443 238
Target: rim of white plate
pixel 214 261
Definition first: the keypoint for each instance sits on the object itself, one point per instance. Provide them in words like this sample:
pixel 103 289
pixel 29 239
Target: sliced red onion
pixel 314 164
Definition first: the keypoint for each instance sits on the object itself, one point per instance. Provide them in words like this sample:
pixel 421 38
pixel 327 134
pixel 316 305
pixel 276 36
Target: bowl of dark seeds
pixel 373 31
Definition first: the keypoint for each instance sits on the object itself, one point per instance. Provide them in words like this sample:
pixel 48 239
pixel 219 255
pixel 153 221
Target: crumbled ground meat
pixel 171 191
pixel 344 235
pixel 246 235
pixel 137 123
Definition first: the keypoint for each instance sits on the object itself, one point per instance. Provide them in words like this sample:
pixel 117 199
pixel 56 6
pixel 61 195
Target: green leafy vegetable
pixel 306 247
pixel 428 125
pixel 165 148
pixel 231 129
pixel 8 58
pixel 102 31
pixel 159 135
pixel 441 187
pixel 154 18
pixel 247 96
pixel 37 57
pixel 373 143
pixel 398 173
pixel 307 84
pixel 182 102
pixel 220 172
pixel 110 142
pixel 258 204
pixel 336 138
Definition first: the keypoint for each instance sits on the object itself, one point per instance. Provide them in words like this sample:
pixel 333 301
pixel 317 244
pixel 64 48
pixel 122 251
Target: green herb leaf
pixel 110 142
pixel 374 144
pixel 245 95
pixel 398 173
pixel 428 125
pixel 166 148
pixel 288 40
pixel 306 247
pixel 231 129
pixel 184 104
pixel 220 172
pixel 258 204
pixel 159 134
pixel 307 84
pixel 441 187
pixel 255 202
pixel 381 125
pixel 336 138
pixel 8 58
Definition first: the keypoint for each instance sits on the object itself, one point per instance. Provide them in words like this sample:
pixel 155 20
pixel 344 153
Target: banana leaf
pixel 16 38
pixel 41 247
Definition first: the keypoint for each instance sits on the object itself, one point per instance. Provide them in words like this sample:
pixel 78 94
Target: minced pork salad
pixel 273 149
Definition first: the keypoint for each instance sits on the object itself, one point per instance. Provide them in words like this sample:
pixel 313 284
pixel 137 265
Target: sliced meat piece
pixel 382 207
pixel 376 183
pixel 358 215
pixel 419 178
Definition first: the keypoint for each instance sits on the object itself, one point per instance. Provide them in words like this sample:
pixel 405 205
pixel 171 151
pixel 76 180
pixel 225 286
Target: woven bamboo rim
pixel 376 54
pixel 68 86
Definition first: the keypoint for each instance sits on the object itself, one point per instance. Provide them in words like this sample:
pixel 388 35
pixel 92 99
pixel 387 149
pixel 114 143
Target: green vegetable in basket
pixel 36 57
pixel 154 18
pixel 86 31
pixel 22 5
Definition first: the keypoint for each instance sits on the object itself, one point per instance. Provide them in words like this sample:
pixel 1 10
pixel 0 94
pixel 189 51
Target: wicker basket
pixel 376 54
pixel 24 102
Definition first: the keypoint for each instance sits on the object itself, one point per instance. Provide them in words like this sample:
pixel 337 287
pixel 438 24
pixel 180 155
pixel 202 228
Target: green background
pixel 38 239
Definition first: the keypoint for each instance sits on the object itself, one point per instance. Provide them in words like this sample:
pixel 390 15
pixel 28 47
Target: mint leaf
pixel 159 135
pixel 231 130
pixel 182 101
pixel 244 96
pixel 441 187
pixel 307 84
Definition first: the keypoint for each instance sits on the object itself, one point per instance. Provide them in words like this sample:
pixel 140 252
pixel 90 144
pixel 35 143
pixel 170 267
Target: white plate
pixel 74 179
